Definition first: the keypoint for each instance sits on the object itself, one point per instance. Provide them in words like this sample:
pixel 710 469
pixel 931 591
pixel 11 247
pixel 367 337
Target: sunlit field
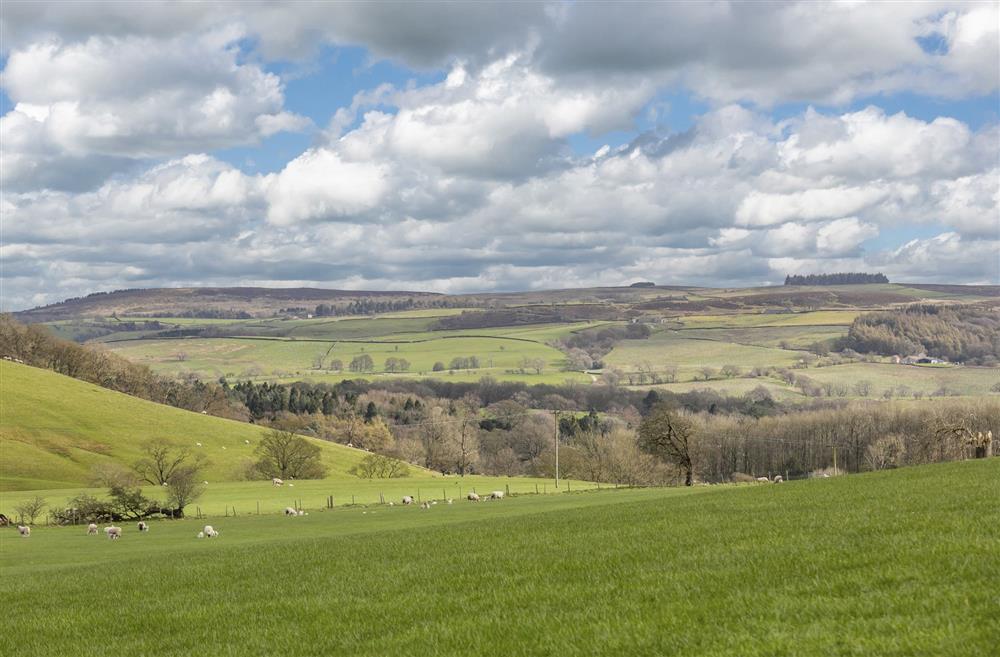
pixel 894 563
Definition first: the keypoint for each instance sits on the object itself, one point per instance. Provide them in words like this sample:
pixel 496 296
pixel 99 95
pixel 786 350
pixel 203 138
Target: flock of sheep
pixel 114 533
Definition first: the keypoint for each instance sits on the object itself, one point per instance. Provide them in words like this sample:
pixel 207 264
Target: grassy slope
pixel 897 563
pixel 54 429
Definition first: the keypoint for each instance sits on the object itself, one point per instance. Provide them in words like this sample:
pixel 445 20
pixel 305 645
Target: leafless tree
pixel 162 459
pixel 29 509
pixel 672 437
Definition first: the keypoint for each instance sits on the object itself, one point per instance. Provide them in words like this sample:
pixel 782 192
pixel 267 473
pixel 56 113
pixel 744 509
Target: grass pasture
pixel 689 355
pixel 54 430
pixel 956 380
pixel 893 563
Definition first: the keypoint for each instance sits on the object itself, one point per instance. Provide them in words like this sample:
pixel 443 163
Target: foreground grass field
pixel 894 563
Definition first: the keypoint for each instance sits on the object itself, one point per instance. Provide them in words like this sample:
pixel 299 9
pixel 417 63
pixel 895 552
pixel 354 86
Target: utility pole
pixel 555 416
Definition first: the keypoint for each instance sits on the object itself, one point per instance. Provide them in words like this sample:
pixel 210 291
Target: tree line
pixel 852 278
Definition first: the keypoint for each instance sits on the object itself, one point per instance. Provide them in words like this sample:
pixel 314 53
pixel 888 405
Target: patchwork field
pixel 306 349
pixel 894 563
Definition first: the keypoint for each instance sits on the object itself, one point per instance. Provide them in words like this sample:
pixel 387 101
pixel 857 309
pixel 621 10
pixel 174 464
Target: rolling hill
pixel 54 430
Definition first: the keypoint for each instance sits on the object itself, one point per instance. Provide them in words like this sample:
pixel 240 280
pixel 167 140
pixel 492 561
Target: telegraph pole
pixel 555 433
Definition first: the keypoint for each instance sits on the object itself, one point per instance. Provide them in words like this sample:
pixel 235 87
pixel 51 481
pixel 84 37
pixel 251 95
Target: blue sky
pixel 459 147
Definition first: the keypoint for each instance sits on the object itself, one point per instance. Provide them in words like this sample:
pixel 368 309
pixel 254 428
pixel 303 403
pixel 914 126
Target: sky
pixel 475 147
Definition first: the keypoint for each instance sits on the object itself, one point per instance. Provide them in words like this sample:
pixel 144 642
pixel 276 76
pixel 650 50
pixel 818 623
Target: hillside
pixel 230 302
pixel 54 430
pixel 900 562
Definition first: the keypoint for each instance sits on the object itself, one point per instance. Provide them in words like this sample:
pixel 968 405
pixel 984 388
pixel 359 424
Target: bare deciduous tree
pixel 29 509
pixel 671 437
pixel 163 459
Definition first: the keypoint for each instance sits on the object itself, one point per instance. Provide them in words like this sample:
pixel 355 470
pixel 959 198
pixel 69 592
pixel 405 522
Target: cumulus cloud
pixel 108 101
pixel 473 182
pixel 357 211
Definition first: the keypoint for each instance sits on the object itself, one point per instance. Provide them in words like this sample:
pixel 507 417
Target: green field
pixel 956 380
pixel 751 319
pixel 689 355
pixel 893 563
pixel 54 430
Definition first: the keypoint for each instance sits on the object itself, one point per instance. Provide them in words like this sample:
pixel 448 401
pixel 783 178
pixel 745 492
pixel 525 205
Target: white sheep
pixel 496 495
pixel 291 511
pixel 407 499
pixel 223 447
pixel 24 530
pixel 392 504
pixel 246 442
pixel 114 533
pixel 277 482
pixel 143 527
pixel 91 529
pixel 472 497
pixel 778 479
pixel 302 513
pixel 198 444
pixel 763 480
pixel 291 485
pixel 210 531
pixel 425 505
pixel 201 534
pixel 450 500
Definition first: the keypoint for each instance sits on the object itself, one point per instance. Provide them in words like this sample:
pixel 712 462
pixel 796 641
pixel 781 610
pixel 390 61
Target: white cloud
pixel 112 100
pixel 319 184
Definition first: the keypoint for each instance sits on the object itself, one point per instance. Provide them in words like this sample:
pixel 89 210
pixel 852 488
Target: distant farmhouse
pixel 919 359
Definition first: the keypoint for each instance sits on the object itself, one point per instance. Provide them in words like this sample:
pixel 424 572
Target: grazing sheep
pixel 407 499
pixel 201 534
pixel 778 479
pixel 764 480
pixel 450 500
pixel 302 513
pixel 425 505
pixel 434 503
pixel 392 504
pixel 210 531
pixel 223 447
pixel 291 485
pixel 143 527
pixel 205 482
pixel 24 530
pixel 472 497
pixel 277 482
pixel 91 529
pixel 246 442
pixel 114 533
pixel 291 511
pixel 496 495
pixel 198 444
